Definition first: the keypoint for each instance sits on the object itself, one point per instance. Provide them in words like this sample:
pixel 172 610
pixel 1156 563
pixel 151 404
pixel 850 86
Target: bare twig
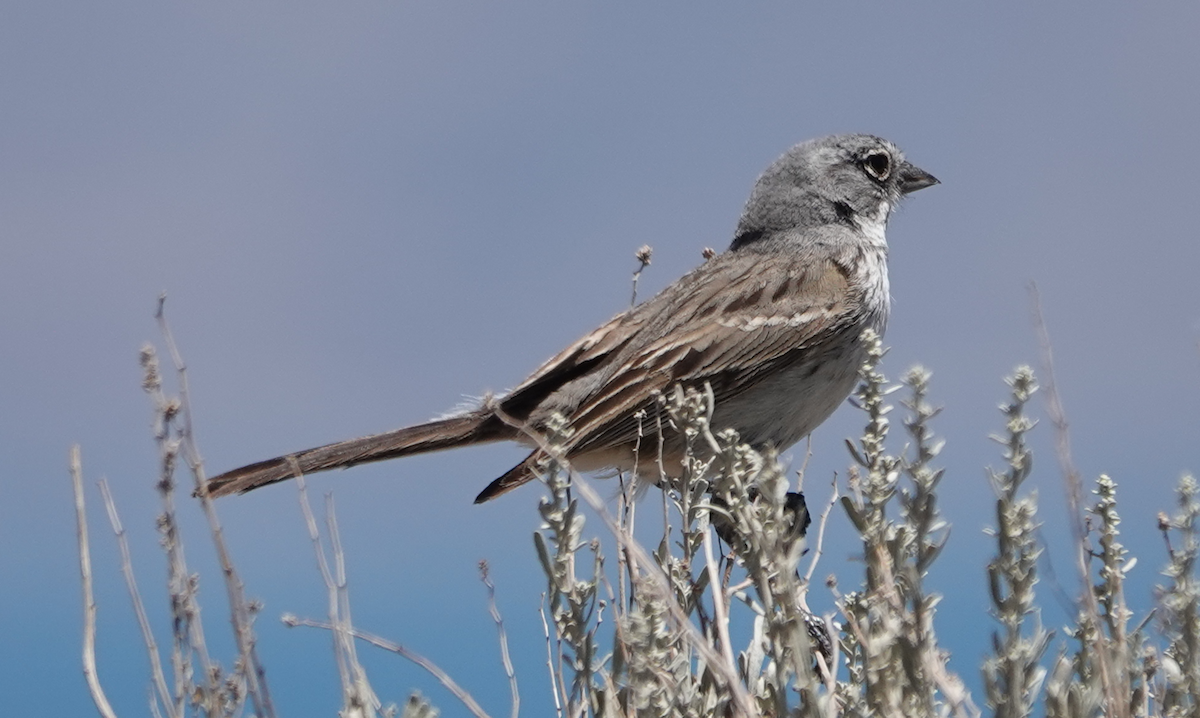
pixel 239 608
pixel 720 610
pixel 820 547
pixel 89 600
pixel 139 609
pixel 1062 443
pixel 363 695
pixel 808 454
pixel 357 695
pixel 625 513
pixel 442 677
pixel 314 535
pixel 1058 417
pixel 556 686
pixel 643 257
pixel 504 657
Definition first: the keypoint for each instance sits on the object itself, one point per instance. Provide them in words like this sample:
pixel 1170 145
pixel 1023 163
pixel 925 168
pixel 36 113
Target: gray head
pixel 841 179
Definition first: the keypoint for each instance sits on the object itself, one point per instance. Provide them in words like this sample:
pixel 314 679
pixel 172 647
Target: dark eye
pixel 878 165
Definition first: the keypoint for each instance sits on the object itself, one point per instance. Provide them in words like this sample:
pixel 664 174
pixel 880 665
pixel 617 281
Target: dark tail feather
pixel 514 477
pixel 434 436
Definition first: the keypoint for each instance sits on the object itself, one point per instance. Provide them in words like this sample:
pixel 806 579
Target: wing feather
pixel 783 321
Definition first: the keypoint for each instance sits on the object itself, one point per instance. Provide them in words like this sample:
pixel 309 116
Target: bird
pixel 773 327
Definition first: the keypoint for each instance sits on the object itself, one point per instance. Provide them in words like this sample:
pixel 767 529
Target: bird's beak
pixel 913 178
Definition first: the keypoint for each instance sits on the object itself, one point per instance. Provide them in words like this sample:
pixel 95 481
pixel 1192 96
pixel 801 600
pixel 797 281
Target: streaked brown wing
pixel 730 338
pixel 571 363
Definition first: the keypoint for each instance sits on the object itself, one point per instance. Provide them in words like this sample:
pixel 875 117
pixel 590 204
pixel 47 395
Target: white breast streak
pixel 752 323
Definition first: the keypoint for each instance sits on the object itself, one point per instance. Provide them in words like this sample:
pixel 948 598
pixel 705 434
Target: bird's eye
pixel 878 165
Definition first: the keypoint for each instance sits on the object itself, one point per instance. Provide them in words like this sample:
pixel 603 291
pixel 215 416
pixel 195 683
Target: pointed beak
pixel 913 178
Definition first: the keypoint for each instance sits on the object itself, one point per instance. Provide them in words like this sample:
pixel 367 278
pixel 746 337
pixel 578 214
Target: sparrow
pixel 774 326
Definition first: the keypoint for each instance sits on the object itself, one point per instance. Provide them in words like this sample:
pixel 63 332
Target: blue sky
pixel 363 212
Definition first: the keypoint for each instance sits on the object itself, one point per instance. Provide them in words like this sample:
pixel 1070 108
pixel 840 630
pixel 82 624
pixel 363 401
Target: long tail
pixel 434 436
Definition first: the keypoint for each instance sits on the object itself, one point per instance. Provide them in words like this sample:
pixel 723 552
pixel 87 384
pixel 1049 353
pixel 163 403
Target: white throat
pixel 874 226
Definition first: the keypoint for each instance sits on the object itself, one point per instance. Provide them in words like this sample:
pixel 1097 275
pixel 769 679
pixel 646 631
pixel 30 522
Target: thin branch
pixel 239 610
pixel 720 609
pixel 314 535
pixel 1058 417
pixel 555 683
pixel 364 695
pixel 808 454
pixel 643 257
pixel 89 600
pixel 139 609
pixel 357 694
pixel 1062 443
pixel 504 657
pixel 820 547
pixel 187 631
pixel 154 712
pixel 442 677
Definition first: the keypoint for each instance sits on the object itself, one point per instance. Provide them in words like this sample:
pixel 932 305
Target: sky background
pixel 364 212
